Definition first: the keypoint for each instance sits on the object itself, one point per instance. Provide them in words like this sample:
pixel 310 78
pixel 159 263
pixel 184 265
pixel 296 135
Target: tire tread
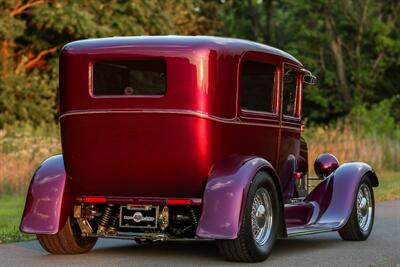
pixel 351 231
pixel 239 249
pixel 64 242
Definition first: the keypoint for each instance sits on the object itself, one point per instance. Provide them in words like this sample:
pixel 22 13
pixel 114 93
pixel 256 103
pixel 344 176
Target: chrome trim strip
pixel 310 231
pixel 203 115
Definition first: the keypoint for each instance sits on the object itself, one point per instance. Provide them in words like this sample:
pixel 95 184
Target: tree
pixel 352 45
pixel 33 31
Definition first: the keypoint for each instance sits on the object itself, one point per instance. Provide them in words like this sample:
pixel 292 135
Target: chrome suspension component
pixel 82 215
pixel 163 218
pixel 113 229
pixel 104 220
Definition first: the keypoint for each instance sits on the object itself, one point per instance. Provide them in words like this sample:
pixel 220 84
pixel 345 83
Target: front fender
pixel 49 199
pixel 336 194
pixel 225 196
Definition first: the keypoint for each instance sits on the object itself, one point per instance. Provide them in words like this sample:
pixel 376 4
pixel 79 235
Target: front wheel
pixel 359 225
pixel 68 240
pixel 259 226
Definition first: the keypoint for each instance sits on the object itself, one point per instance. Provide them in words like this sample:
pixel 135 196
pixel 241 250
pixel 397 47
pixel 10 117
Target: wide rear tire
pixel 262 211
pixel 67 241
pixel 359 225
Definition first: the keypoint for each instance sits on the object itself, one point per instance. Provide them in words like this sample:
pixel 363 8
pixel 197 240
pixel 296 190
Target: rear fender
pixel 225 196
pixel 49 199
pixel 337 193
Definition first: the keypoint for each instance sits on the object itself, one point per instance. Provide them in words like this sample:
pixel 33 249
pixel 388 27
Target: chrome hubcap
pixel 364 207
pixel 261 216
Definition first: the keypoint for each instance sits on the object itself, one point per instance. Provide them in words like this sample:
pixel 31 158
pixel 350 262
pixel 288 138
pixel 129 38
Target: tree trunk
pixel 255 21
pixel 268 31
pixel 5 54
pixel 335 45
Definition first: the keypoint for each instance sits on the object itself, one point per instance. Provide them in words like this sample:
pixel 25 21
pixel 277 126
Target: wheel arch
pixel 226 193
pixel 372 177
pixel 337 193
pixel 49 199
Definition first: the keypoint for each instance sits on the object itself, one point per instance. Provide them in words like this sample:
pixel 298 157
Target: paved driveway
pixel 381 249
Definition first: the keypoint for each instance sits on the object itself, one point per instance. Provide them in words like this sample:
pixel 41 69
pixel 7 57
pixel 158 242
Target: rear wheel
pixel 359 225
pixel 259 224
pixel 68 240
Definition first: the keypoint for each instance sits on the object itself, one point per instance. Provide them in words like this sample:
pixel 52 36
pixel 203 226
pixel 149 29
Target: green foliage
pixel 377 120
pixel 33 31
pixel 352 46
pixel 28 97
pixel 367 134
pixel 11 208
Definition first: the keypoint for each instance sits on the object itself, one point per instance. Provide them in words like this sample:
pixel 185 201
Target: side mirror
pixel 308 78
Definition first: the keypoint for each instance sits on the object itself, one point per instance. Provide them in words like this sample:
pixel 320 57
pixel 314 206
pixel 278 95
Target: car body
pixel 173 130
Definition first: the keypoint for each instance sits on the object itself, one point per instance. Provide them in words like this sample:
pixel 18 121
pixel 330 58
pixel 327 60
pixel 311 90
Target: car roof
pixel 229 45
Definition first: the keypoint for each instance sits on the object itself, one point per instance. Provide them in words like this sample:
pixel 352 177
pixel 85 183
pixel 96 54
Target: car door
pixel 258 104
pixel 290 112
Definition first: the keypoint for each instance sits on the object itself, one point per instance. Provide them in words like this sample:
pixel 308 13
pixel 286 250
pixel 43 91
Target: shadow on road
pixel 192 250
pixel 381 249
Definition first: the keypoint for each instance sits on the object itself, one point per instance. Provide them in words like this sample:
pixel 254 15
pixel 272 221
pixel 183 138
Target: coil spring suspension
pixel 114 221
pixel 105 218
pixel 194 218
pixel 113 229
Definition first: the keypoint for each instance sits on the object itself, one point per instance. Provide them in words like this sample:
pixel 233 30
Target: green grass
pixel 389 186
pixel 11 208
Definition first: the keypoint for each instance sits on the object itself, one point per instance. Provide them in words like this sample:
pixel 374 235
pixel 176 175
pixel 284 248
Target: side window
pixel 289 92
pixel 257 81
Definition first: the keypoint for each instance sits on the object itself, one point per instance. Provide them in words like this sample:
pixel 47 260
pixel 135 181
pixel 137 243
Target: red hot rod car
pixel 188 137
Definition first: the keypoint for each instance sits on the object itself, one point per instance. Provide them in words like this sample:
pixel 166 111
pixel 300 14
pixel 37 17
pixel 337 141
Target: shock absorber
pixel 104 219
pixel 113 229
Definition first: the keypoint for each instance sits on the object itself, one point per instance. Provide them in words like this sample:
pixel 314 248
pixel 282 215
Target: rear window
pixel 257 81
pixel 124 78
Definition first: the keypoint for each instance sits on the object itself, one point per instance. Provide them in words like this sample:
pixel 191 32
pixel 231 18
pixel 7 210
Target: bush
pixel 22 149
pixel 28 98
pixel 371 135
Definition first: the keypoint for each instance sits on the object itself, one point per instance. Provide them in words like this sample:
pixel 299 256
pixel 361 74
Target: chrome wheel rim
pixel 364 207
pixel 261 216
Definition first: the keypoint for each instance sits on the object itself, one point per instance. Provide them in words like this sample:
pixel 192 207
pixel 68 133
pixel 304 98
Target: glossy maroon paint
pixel 192 143
pixel 165 146
pixel 325 164
pixel 299 214
pixel 49 200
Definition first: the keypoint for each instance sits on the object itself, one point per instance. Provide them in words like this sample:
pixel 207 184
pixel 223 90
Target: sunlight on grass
pixel 11 208
pixel 389 186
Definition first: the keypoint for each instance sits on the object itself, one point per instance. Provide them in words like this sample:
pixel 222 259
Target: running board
pixel 308 230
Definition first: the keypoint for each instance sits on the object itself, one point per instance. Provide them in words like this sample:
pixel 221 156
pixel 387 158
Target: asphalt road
pixel 381 249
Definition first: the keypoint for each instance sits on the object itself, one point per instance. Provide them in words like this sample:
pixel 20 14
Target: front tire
pixel 259 226
pixel 359 225
pixel 68 240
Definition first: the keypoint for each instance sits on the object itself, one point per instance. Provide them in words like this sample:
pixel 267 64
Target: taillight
pixel 179 202
pixel 95 200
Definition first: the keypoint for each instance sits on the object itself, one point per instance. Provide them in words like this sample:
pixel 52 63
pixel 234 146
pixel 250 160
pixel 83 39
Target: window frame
pixel 140 58
pixel 256 114
pixel 298 95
